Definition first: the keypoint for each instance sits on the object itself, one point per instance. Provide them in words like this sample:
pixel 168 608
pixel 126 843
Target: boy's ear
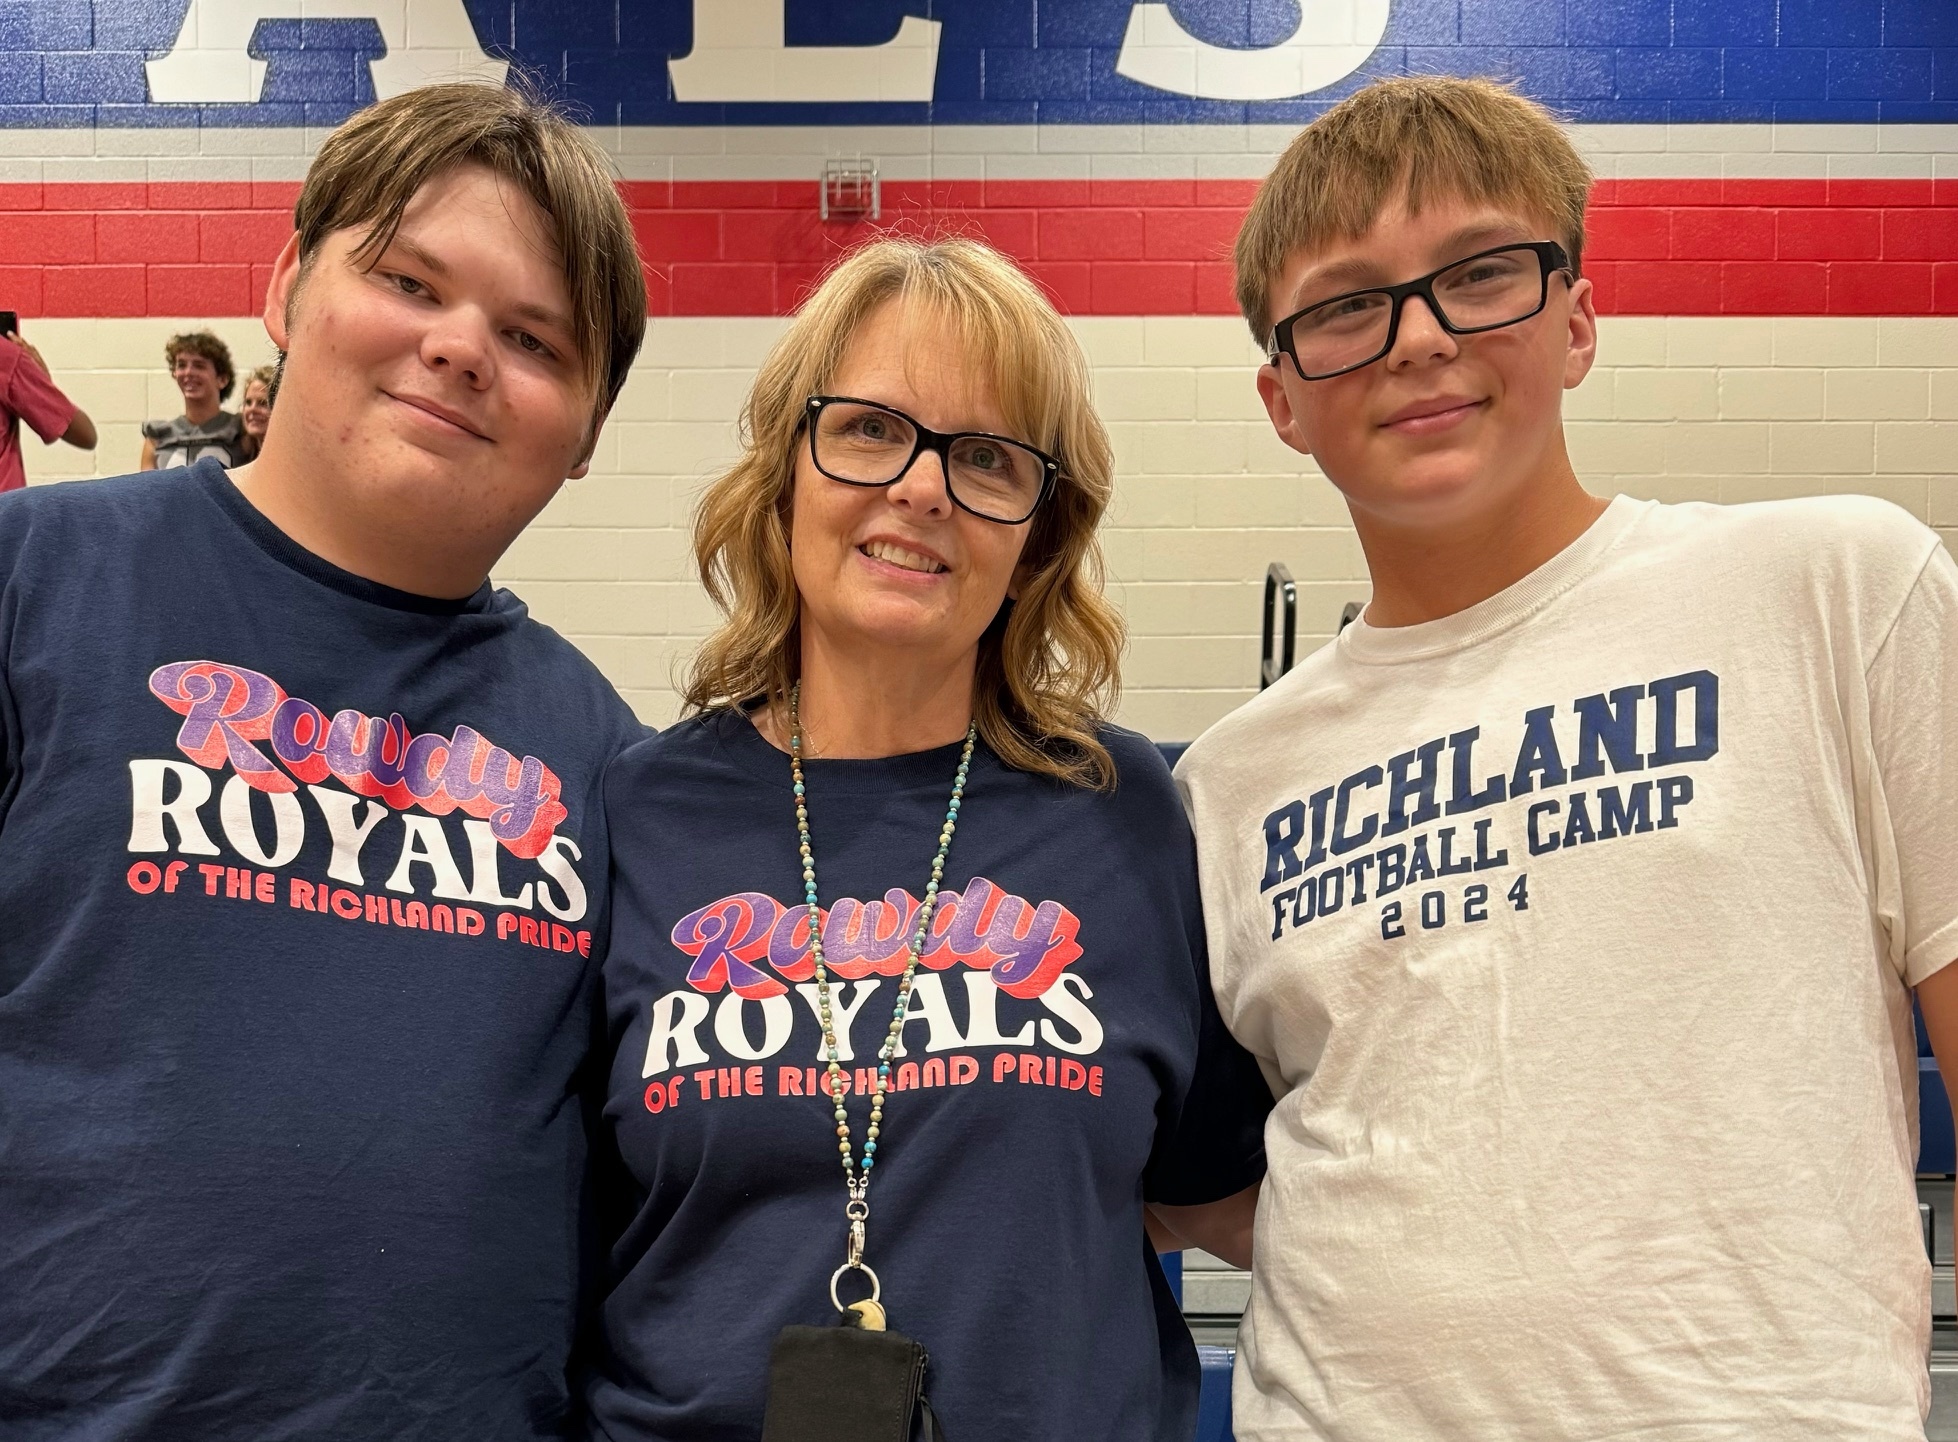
pixel 1583 344
pixel 582 467
pixel 1278 405
pixel 278 295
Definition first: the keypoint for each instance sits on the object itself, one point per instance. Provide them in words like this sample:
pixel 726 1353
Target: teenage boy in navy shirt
pixel 301 856
pixel 1574 897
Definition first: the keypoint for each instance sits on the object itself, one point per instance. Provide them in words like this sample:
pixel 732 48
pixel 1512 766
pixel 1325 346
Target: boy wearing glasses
pixel 1573 899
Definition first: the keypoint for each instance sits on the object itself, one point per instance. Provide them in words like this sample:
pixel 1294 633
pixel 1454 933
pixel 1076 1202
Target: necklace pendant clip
pixel 856 1244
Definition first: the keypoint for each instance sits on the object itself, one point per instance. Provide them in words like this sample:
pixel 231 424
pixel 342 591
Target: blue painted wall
pixel 80 62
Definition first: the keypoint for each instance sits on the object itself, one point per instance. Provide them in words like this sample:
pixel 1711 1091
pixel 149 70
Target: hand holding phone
pixel 10 331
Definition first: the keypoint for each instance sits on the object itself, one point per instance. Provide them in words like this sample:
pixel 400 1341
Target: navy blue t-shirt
pixel 1062 1060
pixel 303 881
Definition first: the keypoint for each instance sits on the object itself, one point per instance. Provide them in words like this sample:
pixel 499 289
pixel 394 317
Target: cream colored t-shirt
pixel 1573 932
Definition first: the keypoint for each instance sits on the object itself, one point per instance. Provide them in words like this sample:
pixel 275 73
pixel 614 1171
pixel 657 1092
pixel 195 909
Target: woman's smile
pixel 892 556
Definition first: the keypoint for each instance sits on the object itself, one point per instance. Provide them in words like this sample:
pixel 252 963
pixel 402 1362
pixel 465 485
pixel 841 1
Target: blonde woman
pixel 255 408
pixel 943 1106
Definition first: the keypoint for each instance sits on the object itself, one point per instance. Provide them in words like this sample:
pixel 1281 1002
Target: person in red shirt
pixel 27 394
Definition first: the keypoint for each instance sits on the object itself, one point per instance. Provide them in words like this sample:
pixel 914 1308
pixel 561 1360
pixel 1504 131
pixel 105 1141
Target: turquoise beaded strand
pixel 889 1048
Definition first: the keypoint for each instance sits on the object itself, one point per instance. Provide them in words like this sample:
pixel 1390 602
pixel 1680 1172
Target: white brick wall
pixel 952 152
pixel 1678 408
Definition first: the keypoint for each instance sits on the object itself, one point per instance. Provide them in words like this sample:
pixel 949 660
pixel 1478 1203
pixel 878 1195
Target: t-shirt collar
pixel 754 753
pixel 1511 606
pixel 210 476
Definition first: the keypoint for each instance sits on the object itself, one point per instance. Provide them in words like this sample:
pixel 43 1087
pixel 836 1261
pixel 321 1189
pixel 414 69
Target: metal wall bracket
pixel 851 190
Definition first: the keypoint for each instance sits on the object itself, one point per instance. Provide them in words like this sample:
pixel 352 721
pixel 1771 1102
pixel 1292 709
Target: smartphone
pixel 9 322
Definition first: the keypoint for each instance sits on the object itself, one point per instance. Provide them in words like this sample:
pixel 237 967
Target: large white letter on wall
pixel 427 40
pixel 1333 40
pixel 741 53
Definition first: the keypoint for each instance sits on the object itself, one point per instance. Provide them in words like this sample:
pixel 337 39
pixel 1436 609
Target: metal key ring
pixel 876 1288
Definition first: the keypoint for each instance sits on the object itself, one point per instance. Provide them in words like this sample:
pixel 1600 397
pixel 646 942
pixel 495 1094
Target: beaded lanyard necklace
pixel 857 1208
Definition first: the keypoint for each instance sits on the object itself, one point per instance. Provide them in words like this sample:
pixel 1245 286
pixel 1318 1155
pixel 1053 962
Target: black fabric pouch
pixel 845 1384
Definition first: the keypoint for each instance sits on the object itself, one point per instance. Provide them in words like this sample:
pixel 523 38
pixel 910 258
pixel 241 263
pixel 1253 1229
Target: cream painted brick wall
pixel 113 369
pixel 1726 410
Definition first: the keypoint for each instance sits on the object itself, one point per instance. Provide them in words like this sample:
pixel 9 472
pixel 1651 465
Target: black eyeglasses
pixel 1484 291
pixel 862 443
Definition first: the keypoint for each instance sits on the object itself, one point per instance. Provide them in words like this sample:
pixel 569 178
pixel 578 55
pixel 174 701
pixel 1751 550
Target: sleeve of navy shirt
pixel 304 893
pixel 1211 1145
pixel 9 748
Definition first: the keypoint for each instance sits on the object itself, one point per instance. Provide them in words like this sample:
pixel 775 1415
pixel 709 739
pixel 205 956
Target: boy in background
pixel 200 364
pixel 1574 897
pixel 301 853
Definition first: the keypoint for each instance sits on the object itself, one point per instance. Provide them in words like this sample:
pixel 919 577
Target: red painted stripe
pixel 1656 247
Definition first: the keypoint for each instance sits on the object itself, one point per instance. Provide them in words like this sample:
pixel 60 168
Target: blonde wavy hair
pixel 1049 664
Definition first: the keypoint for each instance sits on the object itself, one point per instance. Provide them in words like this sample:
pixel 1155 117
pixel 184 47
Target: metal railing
pixel 1280 589
pixel 1281 623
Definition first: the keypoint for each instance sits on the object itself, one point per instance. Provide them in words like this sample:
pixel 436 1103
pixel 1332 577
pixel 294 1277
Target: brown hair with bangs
pixel 207 345
pixel 369 169
pixel 1049 664
pixel 1418 136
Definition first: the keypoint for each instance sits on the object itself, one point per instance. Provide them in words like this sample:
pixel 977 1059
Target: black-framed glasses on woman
pixel 1484 291
pixel 863 443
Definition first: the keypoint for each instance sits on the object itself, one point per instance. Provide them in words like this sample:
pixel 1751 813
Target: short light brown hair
pixel 267 376
pixel 1049 664
pixel 369 169
pixel 1417 136
pixel 202 342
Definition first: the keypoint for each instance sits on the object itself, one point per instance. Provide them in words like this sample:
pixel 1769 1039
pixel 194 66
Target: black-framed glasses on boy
pixel 1484 291
pixel 864 443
